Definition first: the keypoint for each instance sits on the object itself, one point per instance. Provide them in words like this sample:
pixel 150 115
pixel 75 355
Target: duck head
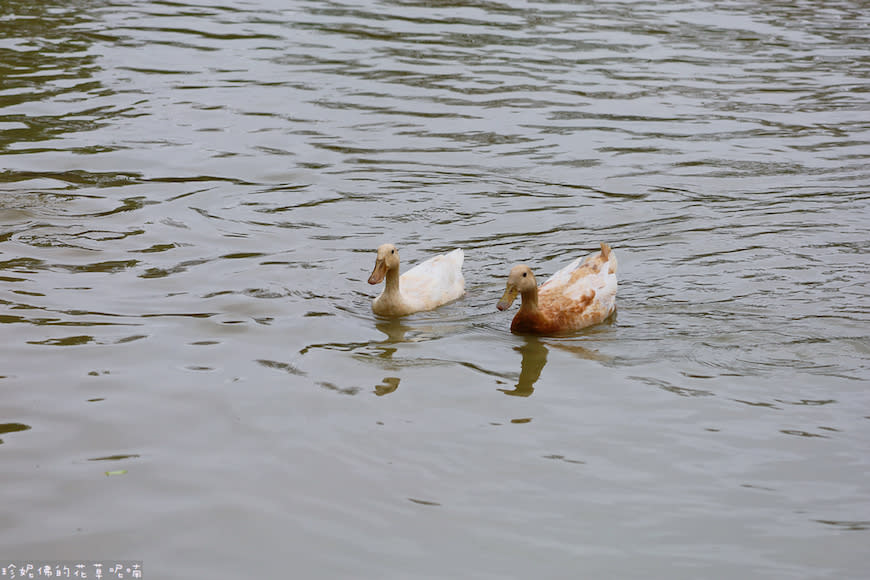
pixel 520 281
pixel 388 259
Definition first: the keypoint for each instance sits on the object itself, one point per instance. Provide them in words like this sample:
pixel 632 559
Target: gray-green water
pixel 190 199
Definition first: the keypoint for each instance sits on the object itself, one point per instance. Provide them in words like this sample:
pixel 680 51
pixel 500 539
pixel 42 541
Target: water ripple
pixel 218 177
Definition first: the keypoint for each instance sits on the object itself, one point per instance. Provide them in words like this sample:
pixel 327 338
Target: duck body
pixel 426 286
pixel 581 294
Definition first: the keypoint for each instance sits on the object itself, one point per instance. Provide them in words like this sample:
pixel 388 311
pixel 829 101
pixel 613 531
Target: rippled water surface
pixel 190 199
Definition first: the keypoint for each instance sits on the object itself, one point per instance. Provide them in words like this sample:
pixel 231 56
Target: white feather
pixel 434 282
pixel 603 282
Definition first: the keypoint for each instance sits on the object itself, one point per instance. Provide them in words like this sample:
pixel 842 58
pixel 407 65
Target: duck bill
pixel 379 272
pixel 507 299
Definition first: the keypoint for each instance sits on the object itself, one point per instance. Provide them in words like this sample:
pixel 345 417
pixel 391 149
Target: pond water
pixel 191 194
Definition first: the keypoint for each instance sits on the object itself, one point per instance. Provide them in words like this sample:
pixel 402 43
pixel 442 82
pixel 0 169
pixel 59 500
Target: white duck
pixel 426 286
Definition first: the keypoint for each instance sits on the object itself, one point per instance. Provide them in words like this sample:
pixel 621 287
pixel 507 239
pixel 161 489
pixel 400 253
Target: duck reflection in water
pixel 534 353
pixel 398 331
pixel 395 330
pixel 387 386
pixel 534 358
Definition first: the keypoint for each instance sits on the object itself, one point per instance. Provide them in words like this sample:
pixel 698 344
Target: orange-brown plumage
pixel 579 295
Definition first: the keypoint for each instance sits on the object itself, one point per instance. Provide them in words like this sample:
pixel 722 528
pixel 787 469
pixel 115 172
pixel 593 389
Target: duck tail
pixel 608 257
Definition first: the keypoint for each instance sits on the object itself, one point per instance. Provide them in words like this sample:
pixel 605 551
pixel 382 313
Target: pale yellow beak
pixel 507 298
pixel 379 272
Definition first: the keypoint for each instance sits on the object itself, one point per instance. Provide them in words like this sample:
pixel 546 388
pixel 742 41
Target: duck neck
pixel 391 285
pixel 530 301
